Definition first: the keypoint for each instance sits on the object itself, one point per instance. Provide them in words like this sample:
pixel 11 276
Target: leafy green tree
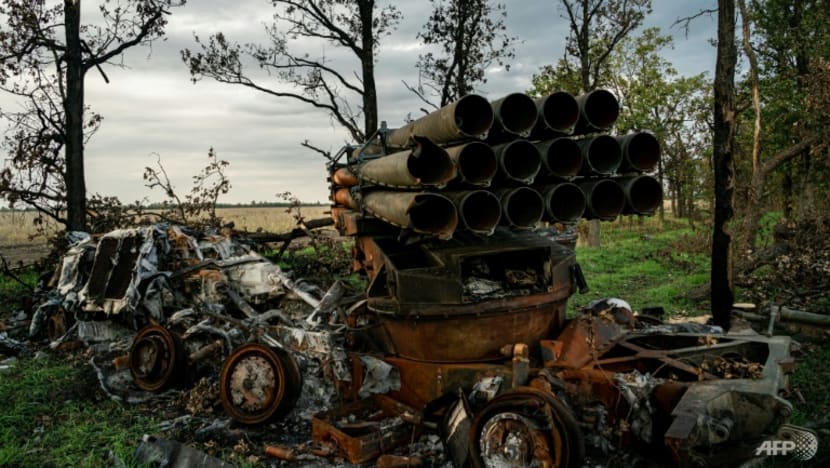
pixel 471 36
pixel 655 97
pixel 787 43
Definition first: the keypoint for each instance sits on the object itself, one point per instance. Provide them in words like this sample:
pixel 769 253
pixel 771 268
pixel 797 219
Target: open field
pixel 21 241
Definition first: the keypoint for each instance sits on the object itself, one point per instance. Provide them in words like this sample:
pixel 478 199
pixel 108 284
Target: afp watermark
pixel 801 445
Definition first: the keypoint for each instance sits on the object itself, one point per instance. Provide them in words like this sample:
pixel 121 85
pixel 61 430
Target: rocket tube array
pixel 474 165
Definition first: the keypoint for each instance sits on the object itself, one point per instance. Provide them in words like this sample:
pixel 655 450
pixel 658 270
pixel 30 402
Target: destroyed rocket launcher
pixel 447 214
pixel 515 162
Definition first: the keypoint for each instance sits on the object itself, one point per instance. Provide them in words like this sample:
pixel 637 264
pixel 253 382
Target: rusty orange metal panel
pixel 422 382
pixel 365 429
pixel 475 332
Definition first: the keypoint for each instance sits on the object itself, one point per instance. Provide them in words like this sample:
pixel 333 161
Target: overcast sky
pixel 152 106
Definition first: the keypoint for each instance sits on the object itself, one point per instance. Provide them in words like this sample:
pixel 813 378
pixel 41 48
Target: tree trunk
pixel 74 109
pixel 661 212
pixel 753 193
pixel 367 60
pixel 787 190
pixel 722 296
pixel 593 233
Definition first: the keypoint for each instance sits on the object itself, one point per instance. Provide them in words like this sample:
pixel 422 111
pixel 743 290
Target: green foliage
pixel 596 28
pixel 322 263
pixel 54 416
pixel 471 36
pixel 792 43
pixel 766 227
pixel 13 289
pixel 810 383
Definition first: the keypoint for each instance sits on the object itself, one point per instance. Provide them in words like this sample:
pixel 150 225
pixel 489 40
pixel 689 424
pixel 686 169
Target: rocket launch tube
pixel 600 155
pixel 478 210
pixel 519 161
pixel 515 114
pixel 423 212
pixel 476 162
pixel 522 207
pixel 344 178
pixel 640 150
pixel 425 165
pixel 561 157
pixel 564 202
pixel 605 199
pixel 598 110
pixel 469 117
pixel 643 194
pixel 558 114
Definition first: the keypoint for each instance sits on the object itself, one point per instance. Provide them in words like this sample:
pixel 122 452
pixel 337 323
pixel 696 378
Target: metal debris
pixel 378 377
pixel 171 454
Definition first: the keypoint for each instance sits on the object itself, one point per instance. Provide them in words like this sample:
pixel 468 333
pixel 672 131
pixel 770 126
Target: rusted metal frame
pixel 425 381
pixel 257 331
pixel 663 355
pixel 358 441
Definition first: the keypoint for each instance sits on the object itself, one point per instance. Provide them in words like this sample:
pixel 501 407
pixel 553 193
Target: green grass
pixel 55 415
pixel 643 264
pixel 11 290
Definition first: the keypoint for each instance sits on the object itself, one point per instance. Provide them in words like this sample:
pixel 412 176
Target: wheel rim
pixel 258 383
pixel 526 427
pixel 156 358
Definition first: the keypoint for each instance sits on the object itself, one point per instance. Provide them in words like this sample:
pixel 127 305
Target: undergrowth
pixel 648 264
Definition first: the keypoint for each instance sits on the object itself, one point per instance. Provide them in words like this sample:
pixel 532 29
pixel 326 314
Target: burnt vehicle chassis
pixel 508 381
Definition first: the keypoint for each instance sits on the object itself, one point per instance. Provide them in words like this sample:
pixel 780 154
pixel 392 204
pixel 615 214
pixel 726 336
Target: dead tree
pixel 356 26
pixel 724 127
pixel 47 73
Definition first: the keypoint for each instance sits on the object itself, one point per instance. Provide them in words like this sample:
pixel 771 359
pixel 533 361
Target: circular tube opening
pixel 430 165
pixel 645 194
pixel 473 115
pixel 606 199
pixel 601 109
pixel 560 111
pixel 433 213
pixel 565 202
pixel 604 155
pixel 480 211
pixel 563 157
pixel 523 207
pixel 520 161
pixel 643 151
pixel 477 163
pixel 517 113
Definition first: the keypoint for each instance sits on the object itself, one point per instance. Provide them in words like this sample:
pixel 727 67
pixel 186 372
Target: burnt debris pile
pixel 459 349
